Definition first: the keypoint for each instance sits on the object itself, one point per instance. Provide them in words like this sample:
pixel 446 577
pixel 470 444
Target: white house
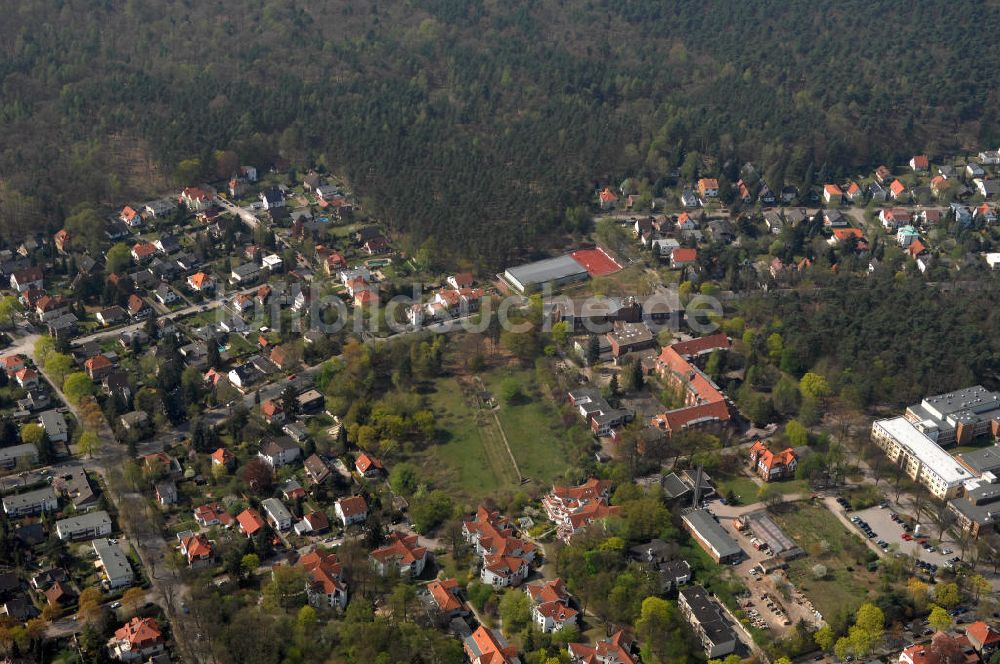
pixel 271 199
pixel 280 452
pixel 277 513
pixel 351 510
pixel 503 571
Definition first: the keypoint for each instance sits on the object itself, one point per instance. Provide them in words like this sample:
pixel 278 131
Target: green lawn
pixel 468 460
pixel 826 541
pixel 533 428
pixel 743 488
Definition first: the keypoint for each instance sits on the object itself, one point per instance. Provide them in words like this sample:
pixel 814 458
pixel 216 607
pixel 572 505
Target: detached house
pixel 98 366
pixel 272 412
pixel 443 594
pixel 197 548
pixel 920 163
pixel 324 580
pixel 200 282
pixel 855 194
pixel 683 256
pixel 271 199
pixel 708 187
pixel 550 608
pixel 488 646
pixel 367 466
pixel 137 307
pixel 279 452
pixel 142 251
pixel 195 199
pixel 26 279
pixel 139 638
pixel 832 194
pixel 250 522
pixel 351 510
pixel 401 556
pixel 897 190
pixel 130 217
pixel 277 514
pixel 607 198
pixel 770 466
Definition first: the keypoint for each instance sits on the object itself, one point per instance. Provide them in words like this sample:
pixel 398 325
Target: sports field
pixel 596 262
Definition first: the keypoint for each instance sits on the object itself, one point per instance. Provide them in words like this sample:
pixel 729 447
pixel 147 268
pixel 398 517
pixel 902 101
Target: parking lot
pixel 881 522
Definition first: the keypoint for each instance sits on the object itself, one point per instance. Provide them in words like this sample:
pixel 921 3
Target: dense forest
pixel 473 121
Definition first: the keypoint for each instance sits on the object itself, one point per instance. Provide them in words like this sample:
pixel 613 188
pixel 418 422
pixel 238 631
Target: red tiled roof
pixel 921 161
pixel 143 249
pixel 250 521
pixel 197 546
pixel 364 463
pixel 404 547
pixel 916 248
pixel 833 190
pixel 443 594
pixel 844 233
pixel 684 255
pixel 198 280
pixel 769 459
pixel 608 196
pixel 270 408
pixel 897 187
pixel 353 506
pixel 982 634
pixel 490 650
pixel 97 362
pixel 140 633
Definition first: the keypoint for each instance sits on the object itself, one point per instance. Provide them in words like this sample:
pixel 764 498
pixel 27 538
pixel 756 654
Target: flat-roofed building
pixel 84 526
pixel 31 502
pixel 554 272
pixel 115 567
pixel 959 416
pixel 708 621
pixel 712 537
pixel 906 445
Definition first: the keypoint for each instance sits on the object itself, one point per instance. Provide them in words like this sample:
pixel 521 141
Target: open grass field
pixel 825 540
pixel 471 460
pixel 743 488
pixel 532 428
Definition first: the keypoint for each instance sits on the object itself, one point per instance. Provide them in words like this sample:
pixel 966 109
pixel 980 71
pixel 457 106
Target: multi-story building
pixel 704 402
pixel 115 568
pixel 707 620
pixel 573 508
pixel 957 417
pixel 906 444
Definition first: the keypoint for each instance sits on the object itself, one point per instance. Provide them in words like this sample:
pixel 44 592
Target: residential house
pixel 987 188
pixel 550 609
pixel 974 170
pixel 770 466
pixel 223 457
pixel 878 192
pixel 401 556
pixel 60 595
pixel 855 194
pixel 195 199
pixel 369 467
pixel 834 219
pixel 277 514
pixel 313 522
pixel 200 282
pixel 607 198
pixel 882 174
pixel 682 257
pixel 197 548
pixel 250 522
pixel 443 595
pixel 708 620
pixel 54 424
pixel 351 510
pixel 708 187
pixel 27 278
pixel 165 295
pixel 272 198
pixel 139 638
pixel 317 469
pixel 12 455
pixel 98 366
pixel 130 217
pixel 166 492
pixel 212 514
pixel 143 251
pixel 26 378
pixel 920 163
pixel 325 586
pixel 113 315
pixel 689 199
pixel 982 637
pixel 488 646
pixel 116 571
pixel 247 273
pixel 135 420
pixel 84 526
pixel 279 452
pixel 907 235
pixel 137 307
pixel 272 412
pixel 167 244
pixel 11 364
pixel 833 195
pixel 893 218
pixel 38 501
pixel 63 241
pixel 616 649
pixel 574 508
